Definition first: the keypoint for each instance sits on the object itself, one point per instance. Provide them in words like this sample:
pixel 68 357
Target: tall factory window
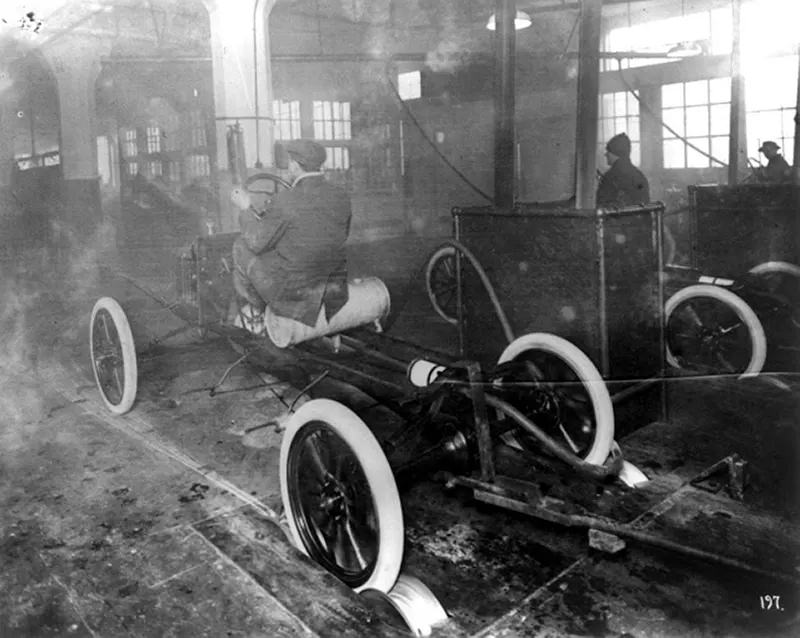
pixel 338 158
pixel 699 113
pixel 153 139
pixel 129 148
pixel 198 166
pixel 770 99
pixel 286 115
pixel 619 113
pixel 197 128
pixel 331 120
pixel 710 30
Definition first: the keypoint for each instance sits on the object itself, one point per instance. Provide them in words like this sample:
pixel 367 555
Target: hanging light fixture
pixel 521 21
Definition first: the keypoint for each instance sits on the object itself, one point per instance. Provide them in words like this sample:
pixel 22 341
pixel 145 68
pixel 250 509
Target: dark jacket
pixel 623 185
pixel 777 170
pixel 301 242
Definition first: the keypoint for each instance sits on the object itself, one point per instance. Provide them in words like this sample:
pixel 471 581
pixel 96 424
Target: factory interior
pixel 516 406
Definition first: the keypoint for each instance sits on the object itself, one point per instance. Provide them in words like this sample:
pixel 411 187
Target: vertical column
pixel 242 76
pixel 242 87
pixel 505 45
pixel 588 91
pixel 76 66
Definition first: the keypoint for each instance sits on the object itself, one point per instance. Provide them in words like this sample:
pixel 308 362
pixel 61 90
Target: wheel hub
pixel 332 500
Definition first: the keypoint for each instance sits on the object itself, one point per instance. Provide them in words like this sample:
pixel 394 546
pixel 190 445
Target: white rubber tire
pixel 770 267
pixel 758 339
pixel 586 371
pixel 442 253
pixel 386 499
pixel 127 346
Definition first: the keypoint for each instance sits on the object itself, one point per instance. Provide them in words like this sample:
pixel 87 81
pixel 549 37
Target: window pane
pixel 607 104
pixel 697 92
pixel 720 90
pixel 633 103
pixel 674 154
pixel 719 149
pixel 619 103
pixel 695 159
pixel 673 118
pixel 720 119
pixel 697 121
pixel 636 153
pixel 671 95
pixel 633 128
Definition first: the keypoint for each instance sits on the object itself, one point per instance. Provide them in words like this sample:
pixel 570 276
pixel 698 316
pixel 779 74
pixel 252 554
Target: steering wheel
pixel 264 186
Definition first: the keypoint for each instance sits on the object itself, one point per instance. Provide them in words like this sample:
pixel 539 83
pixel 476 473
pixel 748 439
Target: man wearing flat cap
pixel 777 169
pixel 292 256
pixel 623 184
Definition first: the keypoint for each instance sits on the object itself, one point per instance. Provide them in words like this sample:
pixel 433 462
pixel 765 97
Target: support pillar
pixel 242 87
pixel 588 91
pixel 76 66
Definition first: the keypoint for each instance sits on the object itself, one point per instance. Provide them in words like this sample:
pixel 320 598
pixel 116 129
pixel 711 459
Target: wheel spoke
pixel 692 313
pixel 311 444
pixel 356 550
pixel 568 439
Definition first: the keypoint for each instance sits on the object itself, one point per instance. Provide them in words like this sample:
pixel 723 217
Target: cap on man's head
pixel 619 145
pixel 769 144
pixel 308 154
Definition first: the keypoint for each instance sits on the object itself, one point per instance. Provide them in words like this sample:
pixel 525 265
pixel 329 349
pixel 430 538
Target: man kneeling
pixel 291 256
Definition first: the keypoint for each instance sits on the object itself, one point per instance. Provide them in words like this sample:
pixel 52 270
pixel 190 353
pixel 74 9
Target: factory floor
pixel 166 521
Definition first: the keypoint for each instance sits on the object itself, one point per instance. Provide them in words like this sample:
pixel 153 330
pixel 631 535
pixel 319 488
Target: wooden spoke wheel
pixel 557 387
pixel 113 355
pixel 711 330
pixel 340 496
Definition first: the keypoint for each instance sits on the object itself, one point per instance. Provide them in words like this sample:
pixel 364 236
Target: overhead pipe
pixel 504 45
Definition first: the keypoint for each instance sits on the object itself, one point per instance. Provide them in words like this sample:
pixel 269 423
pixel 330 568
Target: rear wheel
pixel 340 496
pixel 712 330
pixel 113 355
pixel 557 386
pixel 783 280
pixel 441 283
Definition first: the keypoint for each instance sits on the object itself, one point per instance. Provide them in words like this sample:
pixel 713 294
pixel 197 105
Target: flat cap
pixel 769 144
pixel 307 153
pixel 620 145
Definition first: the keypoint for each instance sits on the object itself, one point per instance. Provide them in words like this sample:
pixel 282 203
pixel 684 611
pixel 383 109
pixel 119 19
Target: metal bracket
pixel 736 469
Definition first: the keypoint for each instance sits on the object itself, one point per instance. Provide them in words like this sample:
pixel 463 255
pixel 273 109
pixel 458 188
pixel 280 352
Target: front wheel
pixel 558 387
pixel 712 330
pixel 113 355
pixel 340 496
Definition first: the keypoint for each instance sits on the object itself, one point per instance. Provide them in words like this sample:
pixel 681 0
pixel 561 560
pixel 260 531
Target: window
pixel 697 112
pixel 197 129
pixel 409 85
pixel 152 169
pixel 129 148
pixel 711 28
pixel 198 166
pixel 153 139
pixel 770 96
pixel 331 120
pixel 287 119
pixel 338 158
pixel 619 113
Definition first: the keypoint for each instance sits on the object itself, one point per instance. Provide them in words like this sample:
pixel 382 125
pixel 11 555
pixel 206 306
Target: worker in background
pixel 777 169
pixel 623 184
pixel 291 256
